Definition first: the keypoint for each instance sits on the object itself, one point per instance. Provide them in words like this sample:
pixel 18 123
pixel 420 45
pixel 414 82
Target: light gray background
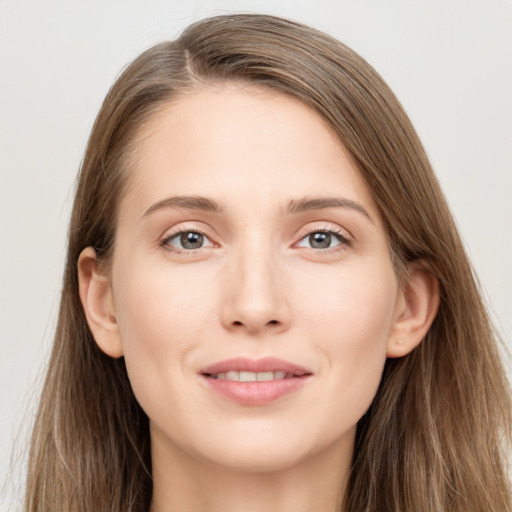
pixel 449 61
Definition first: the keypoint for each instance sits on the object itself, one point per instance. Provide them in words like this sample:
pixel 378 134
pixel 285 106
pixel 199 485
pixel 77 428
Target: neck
pixel 187 484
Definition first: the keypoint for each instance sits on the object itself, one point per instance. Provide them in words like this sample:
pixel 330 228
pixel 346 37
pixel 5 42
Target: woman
pixel 266 304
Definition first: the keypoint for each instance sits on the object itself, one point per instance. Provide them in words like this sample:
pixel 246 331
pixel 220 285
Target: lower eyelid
pixel 341 236
pixel 166 240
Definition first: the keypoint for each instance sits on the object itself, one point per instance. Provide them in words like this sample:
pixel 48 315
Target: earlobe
pixel 417 310
pixel 97 301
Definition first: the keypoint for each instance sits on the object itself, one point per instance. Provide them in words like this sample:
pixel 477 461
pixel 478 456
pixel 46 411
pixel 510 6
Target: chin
pixel 250 460
pixel 253 453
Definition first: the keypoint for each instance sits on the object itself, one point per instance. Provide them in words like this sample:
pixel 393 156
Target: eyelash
pixel 337 233
pixel 166 241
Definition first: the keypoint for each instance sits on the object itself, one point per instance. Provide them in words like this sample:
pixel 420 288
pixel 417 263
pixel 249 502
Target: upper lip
pixel 245 364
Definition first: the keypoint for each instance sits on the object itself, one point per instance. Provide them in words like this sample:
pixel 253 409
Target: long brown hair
pixel 434 438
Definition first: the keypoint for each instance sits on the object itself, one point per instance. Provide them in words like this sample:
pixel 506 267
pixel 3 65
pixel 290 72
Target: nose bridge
pixel 256 298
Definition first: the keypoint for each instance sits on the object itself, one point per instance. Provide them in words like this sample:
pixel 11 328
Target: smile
pixel 253 382
pixel 252 376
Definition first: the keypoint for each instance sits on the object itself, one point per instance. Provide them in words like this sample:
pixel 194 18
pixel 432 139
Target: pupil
pixel 320 240
pixel 191 240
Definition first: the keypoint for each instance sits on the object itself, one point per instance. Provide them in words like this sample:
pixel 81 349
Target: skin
pixel 257 287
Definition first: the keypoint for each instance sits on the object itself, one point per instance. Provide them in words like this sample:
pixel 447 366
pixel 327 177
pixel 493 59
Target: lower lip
pixel 256 393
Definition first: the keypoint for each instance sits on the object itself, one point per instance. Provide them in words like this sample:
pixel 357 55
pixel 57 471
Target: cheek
pixel 349 324
pixel 160 309
pixel 340 321
pixel 161 316
pixel 355 305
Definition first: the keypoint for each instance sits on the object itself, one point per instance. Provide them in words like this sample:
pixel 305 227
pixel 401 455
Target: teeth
pixel 251 376
pixel 261 376
pixel 247 377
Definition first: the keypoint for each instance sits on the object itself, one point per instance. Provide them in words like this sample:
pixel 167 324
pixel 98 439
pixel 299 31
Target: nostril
pixel 238 323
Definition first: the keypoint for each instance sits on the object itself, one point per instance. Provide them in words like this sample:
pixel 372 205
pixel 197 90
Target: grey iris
pixel 191 240
pixel 320 240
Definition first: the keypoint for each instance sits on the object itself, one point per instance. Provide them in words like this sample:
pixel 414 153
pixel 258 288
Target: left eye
pixel 322 240
pixel 188 240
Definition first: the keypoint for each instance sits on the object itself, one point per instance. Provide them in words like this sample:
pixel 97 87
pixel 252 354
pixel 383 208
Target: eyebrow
pixel 185 202
pixel 294 206
pixel 318 203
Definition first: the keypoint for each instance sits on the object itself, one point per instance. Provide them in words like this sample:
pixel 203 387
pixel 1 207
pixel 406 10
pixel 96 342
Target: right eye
pixel 324 239
pixel 187 241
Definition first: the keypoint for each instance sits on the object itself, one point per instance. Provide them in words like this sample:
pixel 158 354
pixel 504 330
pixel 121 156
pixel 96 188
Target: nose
pixel 255 295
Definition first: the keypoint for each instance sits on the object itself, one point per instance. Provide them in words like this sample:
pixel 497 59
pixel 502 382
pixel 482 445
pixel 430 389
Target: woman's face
pixel 251 282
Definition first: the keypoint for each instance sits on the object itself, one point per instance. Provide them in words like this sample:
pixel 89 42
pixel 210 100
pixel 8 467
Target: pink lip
pixel 265 364
pixel 256 393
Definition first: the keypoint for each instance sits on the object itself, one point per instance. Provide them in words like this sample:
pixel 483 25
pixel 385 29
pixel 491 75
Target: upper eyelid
pixel 326 227
pixel 344 240
pixel 170 236
pixel 188 226
pixel 166 243
pixel 302 232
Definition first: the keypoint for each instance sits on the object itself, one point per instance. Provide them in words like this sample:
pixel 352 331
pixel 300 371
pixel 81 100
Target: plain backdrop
pixel 449 62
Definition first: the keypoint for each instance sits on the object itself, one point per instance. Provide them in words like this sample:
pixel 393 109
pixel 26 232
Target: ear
pixel 97 301
pixel 416 310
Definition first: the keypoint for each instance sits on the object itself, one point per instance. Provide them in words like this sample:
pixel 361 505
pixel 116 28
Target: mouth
pixel 255 381
pixel 245 376
pixel 244 369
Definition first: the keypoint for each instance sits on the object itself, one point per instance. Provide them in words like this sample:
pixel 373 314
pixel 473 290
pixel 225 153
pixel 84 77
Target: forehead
pixel 239 141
